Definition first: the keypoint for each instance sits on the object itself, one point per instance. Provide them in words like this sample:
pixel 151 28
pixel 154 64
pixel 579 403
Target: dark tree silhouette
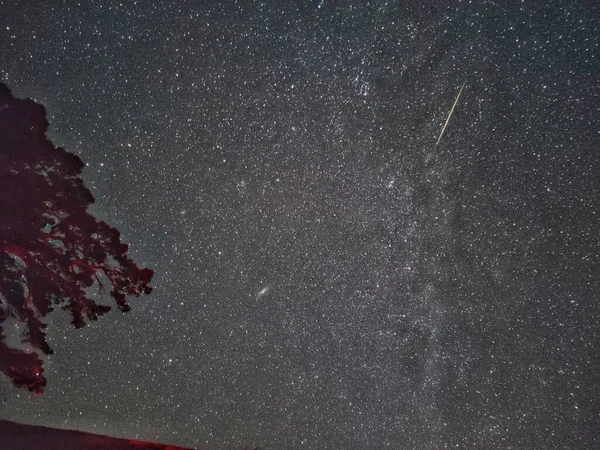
pixel 51 248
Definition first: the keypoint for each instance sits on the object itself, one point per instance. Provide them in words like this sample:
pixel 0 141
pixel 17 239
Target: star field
pixel 326 276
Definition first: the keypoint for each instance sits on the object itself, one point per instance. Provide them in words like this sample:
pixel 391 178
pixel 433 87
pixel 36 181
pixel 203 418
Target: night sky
pixel 327 277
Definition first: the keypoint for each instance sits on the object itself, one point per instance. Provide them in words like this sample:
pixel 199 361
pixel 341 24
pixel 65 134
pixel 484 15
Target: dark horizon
pixel 22 436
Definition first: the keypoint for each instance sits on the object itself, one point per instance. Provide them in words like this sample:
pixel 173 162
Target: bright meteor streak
pixel 450 115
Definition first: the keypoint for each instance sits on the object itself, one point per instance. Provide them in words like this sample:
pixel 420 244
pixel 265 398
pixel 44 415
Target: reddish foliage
pixel 51 248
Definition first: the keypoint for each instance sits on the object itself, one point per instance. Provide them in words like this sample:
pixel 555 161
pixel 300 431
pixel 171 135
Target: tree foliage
pixel 51 248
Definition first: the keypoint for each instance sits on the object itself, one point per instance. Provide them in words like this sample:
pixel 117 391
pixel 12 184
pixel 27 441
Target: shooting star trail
pixel 450 115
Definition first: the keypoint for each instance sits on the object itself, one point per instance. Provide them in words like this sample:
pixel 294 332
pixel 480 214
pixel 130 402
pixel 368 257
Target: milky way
pixel 326 276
